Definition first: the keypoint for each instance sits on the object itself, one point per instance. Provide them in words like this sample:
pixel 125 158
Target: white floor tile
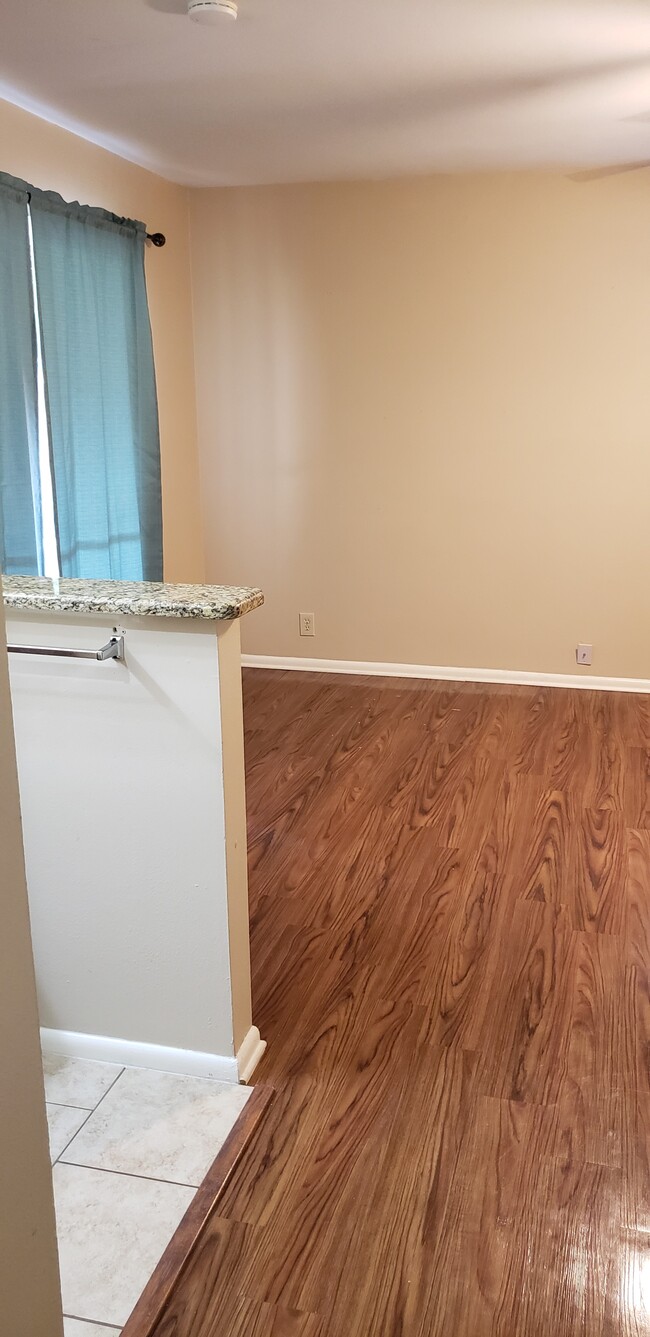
pixel 159 1125
pixel 75 1327
pixel 77 1081
pixel 112 1230
pixel 63 1121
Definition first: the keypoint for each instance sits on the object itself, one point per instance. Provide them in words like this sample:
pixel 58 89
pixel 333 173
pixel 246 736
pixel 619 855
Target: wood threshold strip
pixel 163 1281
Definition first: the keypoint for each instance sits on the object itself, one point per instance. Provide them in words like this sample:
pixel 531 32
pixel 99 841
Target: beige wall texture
pixel 29 1278
pixel 424 415
pixel 54 159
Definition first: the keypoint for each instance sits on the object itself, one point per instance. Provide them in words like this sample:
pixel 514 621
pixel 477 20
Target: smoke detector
pixel 211 11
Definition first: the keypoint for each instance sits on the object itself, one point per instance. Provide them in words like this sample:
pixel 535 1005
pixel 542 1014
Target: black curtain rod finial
pixel 156 238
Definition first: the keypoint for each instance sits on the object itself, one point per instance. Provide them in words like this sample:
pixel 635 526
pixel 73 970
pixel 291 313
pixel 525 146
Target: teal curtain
pixel 100 388
pixel 20 507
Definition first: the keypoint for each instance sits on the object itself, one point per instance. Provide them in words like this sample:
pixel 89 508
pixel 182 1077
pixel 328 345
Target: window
pixel 79 448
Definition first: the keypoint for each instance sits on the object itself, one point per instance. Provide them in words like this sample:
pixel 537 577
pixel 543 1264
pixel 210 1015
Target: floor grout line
pixel 69 1144
pixel 65 1104
pixel 83 1125
pixel 127 1174
pixel 94 1322
pixel 56 1105
pixel 59 1105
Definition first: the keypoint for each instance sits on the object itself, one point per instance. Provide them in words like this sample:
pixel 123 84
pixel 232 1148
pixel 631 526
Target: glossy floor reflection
pixel 450 909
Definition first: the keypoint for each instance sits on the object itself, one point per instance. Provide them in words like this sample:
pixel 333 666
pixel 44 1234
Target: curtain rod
pixel 156 238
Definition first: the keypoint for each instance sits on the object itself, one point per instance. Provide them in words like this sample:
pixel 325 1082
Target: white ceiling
pixel 317 89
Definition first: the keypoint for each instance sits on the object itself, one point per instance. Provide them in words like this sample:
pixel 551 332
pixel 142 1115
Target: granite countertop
pixel 143 598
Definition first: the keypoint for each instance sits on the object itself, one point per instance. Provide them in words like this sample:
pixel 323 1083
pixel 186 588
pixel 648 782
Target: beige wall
pixel 29 1282
pixel 234 795
pixel 57 160
pixel 424 414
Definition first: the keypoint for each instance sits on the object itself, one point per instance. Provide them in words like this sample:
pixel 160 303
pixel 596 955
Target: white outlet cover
pixel 307 627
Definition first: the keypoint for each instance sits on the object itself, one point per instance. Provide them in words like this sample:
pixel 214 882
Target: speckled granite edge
pixel 142 598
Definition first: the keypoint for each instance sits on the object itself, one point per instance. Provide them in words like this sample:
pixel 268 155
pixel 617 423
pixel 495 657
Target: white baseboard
pixel 161 1058
pixel 519 677
pixel 249 1054
pixel 131 1053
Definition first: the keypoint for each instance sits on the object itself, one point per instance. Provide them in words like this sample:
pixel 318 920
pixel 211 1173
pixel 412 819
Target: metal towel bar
pixel 114 649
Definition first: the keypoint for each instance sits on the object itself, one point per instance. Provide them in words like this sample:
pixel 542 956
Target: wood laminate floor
pixel 450 902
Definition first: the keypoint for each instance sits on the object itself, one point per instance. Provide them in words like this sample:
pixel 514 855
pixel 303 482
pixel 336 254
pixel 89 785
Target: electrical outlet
pixel 307 624
pixel 584 653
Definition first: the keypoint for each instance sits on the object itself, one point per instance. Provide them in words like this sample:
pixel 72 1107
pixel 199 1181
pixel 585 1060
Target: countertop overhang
pixel 141 598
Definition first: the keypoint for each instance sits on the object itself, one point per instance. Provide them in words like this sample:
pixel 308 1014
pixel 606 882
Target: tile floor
pixel 129 1148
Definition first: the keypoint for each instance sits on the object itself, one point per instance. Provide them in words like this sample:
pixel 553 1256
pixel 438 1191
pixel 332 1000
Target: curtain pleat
pixel 21 546
pixel 100 390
